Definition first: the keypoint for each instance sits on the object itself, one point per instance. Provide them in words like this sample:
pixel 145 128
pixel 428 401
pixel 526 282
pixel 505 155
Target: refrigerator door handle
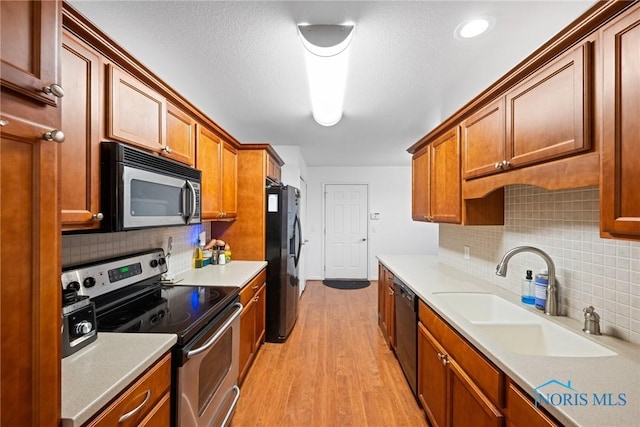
pixel 298 228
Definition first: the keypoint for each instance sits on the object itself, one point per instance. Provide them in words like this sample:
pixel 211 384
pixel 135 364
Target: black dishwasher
pixel 406 305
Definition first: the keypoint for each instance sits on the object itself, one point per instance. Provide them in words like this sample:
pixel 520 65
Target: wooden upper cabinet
pixel 483 136
pixel 80 153
pixel 29 42
pixel 135 113
pixel 208 159
pixel 549 114
pixel 181 136
pixel 446 196
pixel 546 117
pixel 436 180
pixel 274 170
pixel 420 177
pixel 620 168
pixel 229 181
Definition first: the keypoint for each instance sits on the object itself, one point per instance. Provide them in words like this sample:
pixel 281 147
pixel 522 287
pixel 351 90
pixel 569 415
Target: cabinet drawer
pixel 251 289
pixel 144 394
pixel 521 411
pixel 489 378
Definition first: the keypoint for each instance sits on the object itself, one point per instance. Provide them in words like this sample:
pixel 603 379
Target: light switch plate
pixel 374 215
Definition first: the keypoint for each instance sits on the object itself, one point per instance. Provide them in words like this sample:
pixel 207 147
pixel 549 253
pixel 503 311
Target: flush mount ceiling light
pixel 326 56
pixel 474 27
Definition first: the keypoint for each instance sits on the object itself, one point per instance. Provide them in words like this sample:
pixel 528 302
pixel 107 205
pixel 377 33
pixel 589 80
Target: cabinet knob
pixel 54 135
pixel 98 216
pixel 505 164
pixel 255 287
pixel 256 299
pixel 3 122
pixel 498 165
pixel 54 89
pixel 167 149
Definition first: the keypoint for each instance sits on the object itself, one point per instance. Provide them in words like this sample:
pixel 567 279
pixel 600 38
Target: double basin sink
pixel 518 330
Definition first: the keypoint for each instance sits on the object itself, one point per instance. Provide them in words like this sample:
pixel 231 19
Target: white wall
pixel 390 195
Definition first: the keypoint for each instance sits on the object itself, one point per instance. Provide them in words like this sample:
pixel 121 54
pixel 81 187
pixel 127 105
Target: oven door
pixel 207 375
pixel 151 199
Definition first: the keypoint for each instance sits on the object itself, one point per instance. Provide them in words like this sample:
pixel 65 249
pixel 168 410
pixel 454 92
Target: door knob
pixel 54 135
pixel 364 239
pixel 54 89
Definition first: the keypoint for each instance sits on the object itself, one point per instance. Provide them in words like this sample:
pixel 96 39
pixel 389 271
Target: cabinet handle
pixel 498 165
pixel 440 355
pixel 4 122
pixel 54 135
pixel 390 292
pixel 167 149
pixel 255 287
pixel 505 164
pixel 98 217
pixel 131 413
pixel 54 89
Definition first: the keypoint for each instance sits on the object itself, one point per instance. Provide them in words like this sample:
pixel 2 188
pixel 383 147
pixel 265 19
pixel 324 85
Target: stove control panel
pixel 100 277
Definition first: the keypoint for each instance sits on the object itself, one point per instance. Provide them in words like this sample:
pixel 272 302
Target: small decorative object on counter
pixel 591 321
pixel 541 282
pixel 527 295
pixel 227 253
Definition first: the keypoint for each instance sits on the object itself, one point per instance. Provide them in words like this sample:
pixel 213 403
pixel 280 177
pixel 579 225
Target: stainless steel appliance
pixel 406 306
pixel 283 245
pixel 129 297
pixel 142 190
pixel 78 322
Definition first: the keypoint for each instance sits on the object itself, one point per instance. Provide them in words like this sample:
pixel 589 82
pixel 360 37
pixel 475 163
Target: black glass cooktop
pixel 181 310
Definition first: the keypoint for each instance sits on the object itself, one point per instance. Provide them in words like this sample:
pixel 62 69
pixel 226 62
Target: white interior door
pixel 346 245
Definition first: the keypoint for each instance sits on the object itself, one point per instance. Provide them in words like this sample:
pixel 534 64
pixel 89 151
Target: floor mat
pixel 346 284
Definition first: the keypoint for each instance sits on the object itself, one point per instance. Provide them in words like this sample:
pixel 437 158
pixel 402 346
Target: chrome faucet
pixel 551 307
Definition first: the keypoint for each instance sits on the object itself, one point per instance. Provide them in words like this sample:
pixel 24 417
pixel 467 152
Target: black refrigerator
pixel 283 246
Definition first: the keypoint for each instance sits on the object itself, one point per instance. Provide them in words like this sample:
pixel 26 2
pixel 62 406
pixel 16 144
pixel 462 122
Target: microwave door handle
pixel 193 202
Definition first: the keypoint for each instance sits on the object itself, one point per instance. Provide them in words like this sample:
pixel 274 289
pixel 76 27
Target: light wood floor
pixel 334 370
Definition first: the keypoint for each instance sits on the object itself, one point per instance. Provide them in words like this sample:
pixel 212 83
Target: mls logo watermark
pixel 557 393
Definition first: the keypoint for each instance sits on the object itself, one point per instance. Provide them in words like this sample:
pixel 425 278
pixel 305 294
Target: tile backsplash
pixel 604 273
pixel 81 248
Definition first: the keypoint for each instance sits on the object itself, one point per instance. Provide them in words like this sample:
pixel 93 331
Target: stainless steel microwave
pixel 141 190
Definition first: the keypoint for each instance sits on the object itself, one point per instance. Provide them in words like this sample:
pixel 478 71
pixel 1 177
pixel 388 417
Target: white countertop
pixel 235 273
pixel 600 375
pixel 93 376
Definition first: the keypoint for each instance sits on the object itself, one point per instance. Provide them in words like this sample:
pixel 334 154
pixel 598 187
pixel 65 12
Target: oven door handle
pixel 218 334
pixel 227 417
pixel 193 202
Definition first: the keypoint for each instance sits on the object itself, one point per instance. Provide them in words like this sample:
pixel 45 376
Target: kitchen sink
pixel 517 330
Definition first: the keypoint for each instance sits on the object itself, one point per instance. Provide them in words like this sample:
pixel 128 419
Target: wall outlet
pixel 467 250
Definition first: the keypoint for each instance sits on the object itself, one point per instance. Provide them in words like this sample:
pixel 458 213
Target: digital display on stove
pixel 124 272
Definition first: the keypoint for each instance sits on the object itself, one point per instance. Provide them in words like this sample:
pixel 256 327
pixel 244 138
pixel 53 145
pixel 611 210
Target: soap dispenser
pixel 527 295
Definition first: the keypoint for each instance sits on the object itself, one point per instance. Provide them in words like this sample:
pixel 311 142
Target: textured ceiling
pixel 243 65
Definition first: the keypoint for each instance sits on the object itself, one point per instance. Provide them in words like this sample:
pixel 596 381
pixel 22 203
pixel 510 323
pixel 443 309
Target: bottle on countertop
pixel 541 282
pixel 527 295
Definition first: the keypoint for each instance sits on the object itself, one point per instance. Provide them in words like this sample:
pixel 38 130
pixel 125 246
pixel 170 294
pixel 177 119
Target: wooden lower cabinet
pixel 252 321
pixel 386 305
pixel 521 412
pixel 144 403
pixel 448 388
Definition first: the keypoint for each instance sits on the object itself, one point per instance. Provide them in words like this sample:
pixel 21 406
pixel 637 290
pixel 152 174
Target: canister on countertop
pixel 541 282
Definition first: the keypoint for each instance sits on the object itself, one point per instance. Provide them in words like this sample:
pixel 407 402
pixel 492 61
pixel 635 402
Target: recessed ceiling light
pixel 474 27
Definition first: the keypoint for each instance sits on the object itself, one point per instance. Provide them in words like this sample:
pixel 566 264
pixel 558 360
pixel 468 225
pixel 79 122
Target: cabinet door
pixel 80 153
pixel 522 413
pixel 483 140
pixel 445 188
pixel 208 152
pixel 181 136
pixel 467 404
pixel 274 170
pixel 382 290
pixel 432 378
pixel 136 113
pixel 548 115
pixel 620 168
pixel 247 337
pixel 391 310
pixel 420 185
pixel 229 181
pixel 29 42
pixel 261 304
